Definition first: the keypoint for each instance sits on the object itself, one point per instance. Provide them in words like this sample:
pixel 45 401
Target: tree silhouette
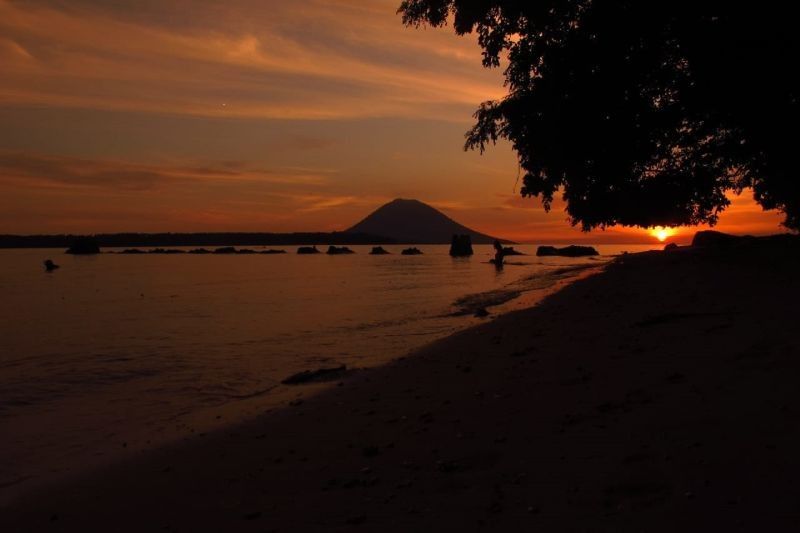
pixel 642 113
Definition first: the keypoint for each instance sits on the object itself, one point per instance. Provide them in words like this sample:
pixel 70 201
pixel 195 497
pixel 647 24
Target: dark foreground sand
pixel 660 395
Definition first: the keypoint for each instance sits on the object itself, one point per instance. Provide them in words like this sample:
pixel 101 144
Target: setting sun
pixel 662 234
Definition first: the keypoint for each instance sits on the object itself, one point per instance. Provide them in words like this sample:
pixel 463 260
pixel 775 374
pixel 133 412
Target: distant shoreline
pixel 132 240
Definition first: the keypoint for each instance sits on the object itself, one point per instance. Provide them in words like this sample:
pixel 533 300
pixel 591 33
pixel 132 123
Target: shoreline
pixel 112 443
pixel 658 394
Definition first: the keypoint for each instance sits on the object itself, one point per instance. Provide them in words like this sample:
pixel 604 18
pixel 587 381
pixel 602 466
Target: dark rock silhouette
pixel 245 251
pixel 671 246
pixel 168 251
pixel 509 250
pixel 272 252
pixel 305 250
pixel 411 251
pixel 343 250
pixel 568 251
pixel 378 250
pixel 50 266
pixel 461 246
pixel 200 251
pixel 132 251
pixel 717 238
pixel 84 246
pixel 320 374
pixel 413 222
pixel 225 250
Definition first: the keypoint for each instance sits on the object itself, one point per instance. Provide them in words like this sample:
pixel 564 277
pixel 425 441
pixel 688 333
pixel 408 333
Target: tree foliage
pixel 643 113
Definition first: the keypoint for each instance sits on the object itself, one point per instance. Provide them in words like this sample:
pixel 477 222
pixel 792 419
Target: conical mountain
pixel 413 222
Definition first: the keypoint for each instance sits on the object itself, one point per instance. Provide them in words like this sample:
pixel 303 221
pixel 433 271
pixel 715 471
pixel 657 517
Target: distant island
pixel 414 222
pixel 398 222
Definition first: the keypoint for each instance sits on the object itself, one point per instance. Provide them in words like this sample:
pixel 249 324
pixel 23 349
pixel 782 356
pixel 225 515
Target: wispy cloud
pixel 110 174
pixel 308 59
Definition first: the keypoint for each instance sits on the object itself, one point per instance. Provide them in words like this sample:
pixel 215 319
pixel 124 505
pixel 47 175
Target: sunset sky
pixel 253 115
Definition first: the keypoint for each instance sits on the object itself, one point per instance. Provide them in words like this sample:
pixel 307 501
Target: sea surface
pixel 113 354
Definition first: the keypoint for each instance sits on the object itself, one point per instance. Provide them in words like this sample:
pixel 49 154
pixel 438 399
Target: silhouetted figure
pixel 49 266
pixel 499 254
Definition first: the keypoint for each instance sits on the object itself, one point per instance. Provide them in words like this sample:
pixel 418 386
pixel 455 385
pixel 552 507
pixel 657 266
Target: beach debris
pixel 461 246
pixel 567 251
pixel 341 250
pixel 49 266
pixel 411 251
pixel 320 374
pixel 84 246
pixel 303 250
pixel 378 250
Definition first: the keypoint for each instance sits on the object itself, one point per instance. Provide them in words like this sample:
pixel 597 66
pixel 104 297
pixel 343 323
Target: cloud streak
pixel 124 175
pixel 308 59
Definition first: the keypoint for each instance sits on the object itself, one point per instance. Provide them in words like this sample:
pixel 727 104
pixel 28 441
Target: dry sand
pixel 659 395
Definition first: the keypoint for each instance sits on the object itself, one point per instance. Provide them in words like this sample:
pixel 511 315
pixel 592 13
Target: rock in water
pixel 225 250
pixel 411 251
pixel 511 251
pixel 333 250
pixel 568 251
pixel 84 246
pixel 50 266
pixel 461 246
pixel 378 250
pixel 308 250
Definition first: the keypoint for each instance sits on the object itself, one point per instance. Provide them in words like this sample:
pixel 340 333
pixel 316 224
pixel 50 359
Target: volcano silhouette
pixel 414 222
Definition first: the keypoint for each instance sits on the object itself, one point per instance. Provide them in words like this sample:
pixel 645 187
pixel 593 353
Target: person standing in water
pixel 498 254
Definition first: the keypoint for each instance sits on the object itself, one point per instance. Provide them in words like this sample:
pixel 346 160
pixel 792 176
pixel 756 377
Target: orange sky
pixel 253 115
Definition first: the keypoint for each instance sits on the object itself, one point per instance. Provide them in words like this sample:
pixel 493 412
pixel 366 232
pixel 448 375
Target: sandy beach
pixel 657 395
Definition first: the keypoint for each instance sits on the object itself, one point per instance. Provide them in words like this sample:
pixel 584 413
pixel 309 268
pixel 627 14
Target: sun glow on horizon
pixel 662 233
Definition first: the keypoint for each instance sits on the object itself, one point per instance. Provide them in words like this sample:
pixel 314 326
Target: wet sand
pixel 658 395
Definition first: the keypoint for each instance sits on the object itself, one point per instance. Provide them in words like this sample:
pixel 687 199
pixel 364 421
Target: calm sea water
pixel 112 354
